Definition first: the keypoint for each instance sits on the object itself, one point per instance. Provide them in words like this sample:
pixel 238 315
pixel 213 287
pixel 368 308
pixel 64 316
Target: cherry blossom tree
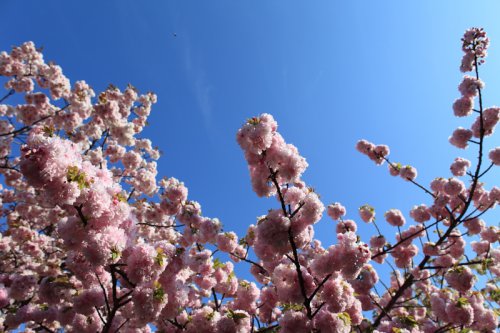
pixel 94 241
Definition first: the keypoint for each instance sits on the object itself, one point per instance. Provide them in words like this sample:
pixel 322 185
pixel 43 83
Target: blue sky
pixel 330 72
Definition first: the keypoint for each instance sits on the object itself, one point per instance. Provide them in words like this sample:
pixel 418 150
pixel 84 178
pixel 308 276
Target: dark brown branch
pixel 43 327
pixel 108 308
pixel 251 262
pixel 379 306
pixel 130 194
pixel 100 316
pixel 291 240
pixel 278 189
pixel 92 145
pixel 106 136
pixel 460 264
pixel 175 323
pixel 317 310
pixel 159 225
pixel 454 221
pixel 319 287
pixel 6 166
pixel 410 299
pixel 485 171
pixel 124 276
pixel 28 127
pixel 80 214
pixel 296 262
pixel 468 217
pixel 118 302
pixel 121 325
pixel 215 300
pixel 387 250
pixel 267 329
pixel 297 210
pixel 10 93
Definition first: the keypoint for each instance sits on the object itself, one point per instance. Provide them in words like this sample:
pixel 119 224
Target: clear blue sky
pixel 330 72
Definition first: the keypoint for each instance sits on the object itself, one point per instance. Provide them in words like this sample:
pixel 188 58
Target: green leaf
pixel 253 121
pixel 408 321
pixel 486 263
pixel 292 306
pixel 120 197
pixel 160 257
pixel 345 317
pixel 218 264
pixel 245 284
pixel 158 292
pixel 115 253
pixel 49 130
pixel 210 315
pixel 462 301
pixel 236 315
pixel 370 208
pixel 75 175
pixel 229 235
pixel 495 295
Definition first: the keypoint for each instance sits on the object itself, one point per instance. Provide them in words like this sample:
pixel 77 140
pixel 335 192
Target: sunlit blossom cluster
pixel 93 240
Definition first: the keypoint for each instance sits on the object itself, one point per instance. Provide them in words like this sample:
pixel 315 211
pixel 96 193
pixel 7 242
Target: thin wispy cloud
pixel 199 83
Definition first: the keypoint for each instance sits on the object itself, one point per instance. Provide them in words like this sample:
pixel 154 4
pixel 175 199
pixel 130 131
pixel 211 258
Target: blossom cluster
pixel 94 241
pixel 85 250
